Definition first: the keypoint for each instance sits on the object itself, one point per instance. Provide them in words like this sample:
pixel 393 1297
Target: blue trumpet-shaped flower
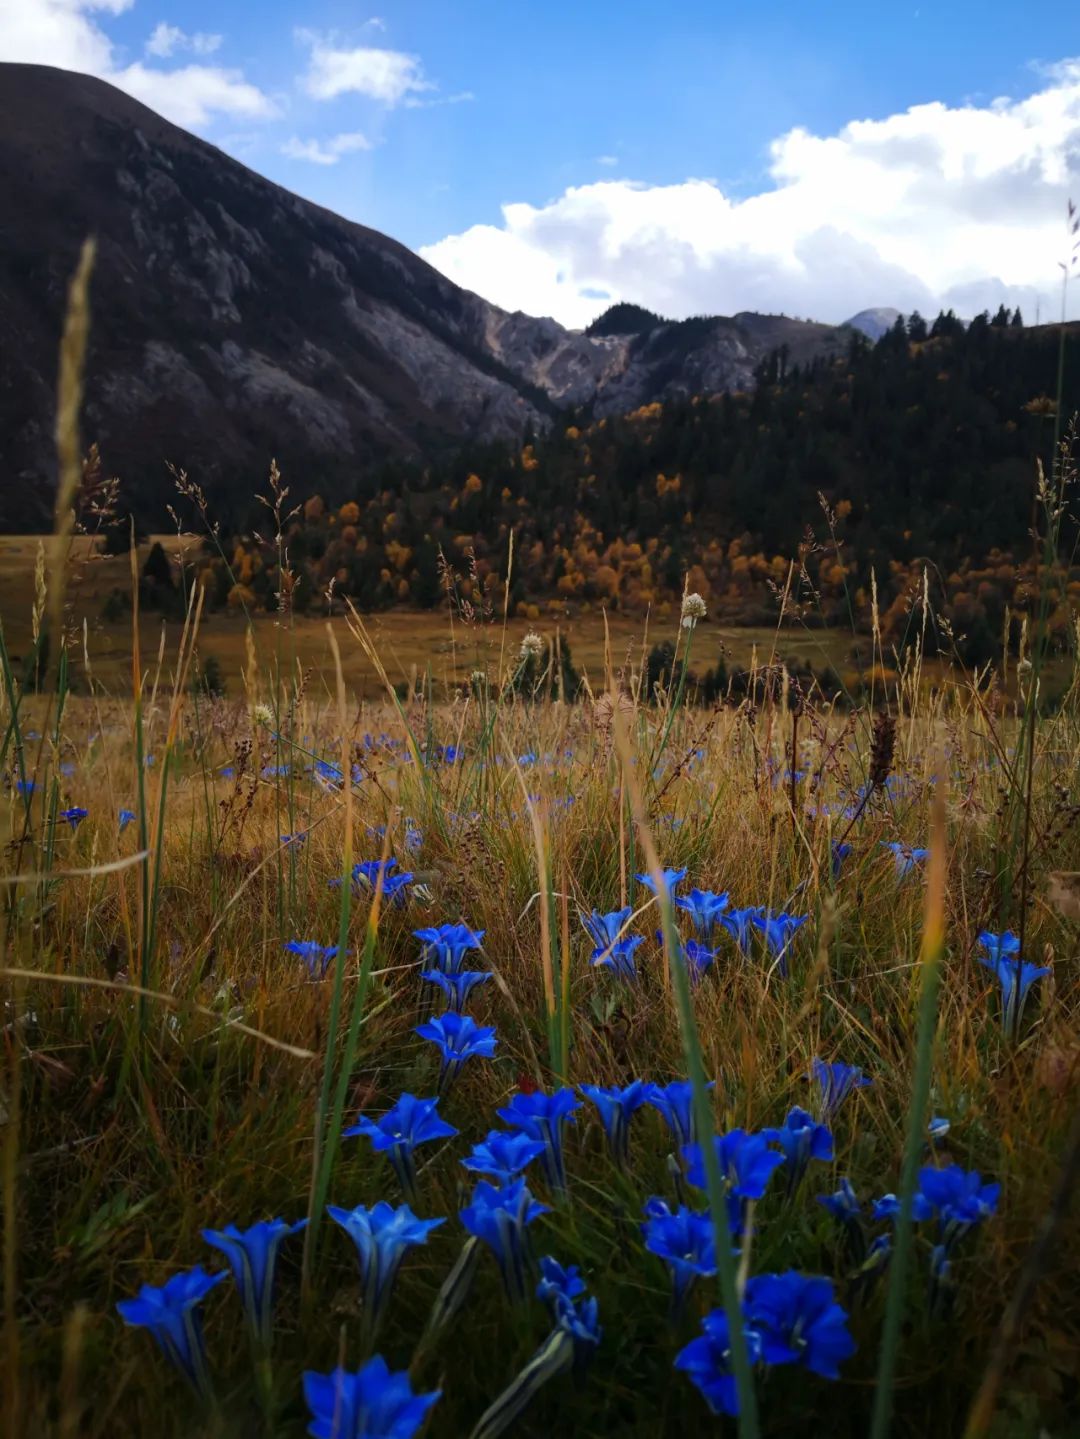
pixel 938 1127
pixel 24 788
pixel 316 956
pixel 252 1255
pixel 802 1139
pixel 400 1131
pixel 126 817
pixel 838 853
pixel 382 1236
pixel 503 1155
pixel 697 956
pixel 957 1198
pixel 171 1313
pixel 366 875
pixel 562 1290
pixel 457 987
pixel 499 1217
pixel 616 1107
pixel 370 1404
pixel 457 1037
pixel 74 816
pixel 844 1205
pixel 544 1117
pixel 905 857
pixel 836 1081
pixel 605 930
pixel 704 908
pixel 675 1101
pixel 446 945
pixel 1014 975
pixel 706 1361
pixel 742 925
pixel 619 957
pixel 685 1241
pixel 778 931
pixel 671 879
pixel 746 1166
pixel 799 1322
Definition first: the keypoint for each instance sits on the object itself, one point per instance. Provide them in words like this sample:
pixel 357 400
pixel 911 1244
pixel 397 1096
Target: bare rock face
pixel 233 322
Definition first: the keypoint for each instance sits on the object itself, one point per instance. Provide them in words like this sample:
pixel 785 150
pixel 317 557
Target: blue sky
pixel 425 119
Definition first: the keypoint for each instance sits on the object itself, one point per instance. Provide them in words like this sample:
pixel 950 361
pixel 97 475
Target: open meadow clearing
pixel 458 1015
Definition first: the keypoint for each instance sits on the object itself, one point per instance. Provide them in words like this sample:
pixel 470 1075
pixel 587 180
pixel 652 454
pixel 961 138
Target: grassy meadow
pixel 170 1065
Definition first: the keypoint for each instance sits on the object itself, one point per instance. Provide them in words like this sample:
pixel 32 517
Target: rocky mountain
pixel 874 323
pixel 233 321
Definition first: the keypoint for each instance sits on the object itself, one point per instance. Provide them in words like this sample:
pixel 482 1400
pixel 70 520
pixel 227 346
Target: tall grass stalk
pixel 702 1105
pixel 931 953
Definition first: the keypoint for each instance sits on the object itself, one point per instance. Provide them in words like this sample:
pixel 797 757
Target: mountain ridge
pixel 233 321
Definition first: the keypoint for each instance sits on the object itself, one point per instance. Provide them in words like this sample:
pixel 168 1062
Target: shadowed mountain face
pixel 233 321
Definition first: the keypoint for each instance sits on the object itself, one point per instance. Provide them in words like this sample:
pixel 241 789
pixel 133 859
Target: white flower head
pixel 693 609
pixel 263 715
pixel 478 679
pixel 532 646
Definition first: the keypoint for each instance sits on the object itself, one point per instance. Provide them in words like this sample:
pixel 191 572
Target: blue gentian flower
pixel 562 1290
pixel 293 841
pixel 697 956
pixel 126 817
pixel 742 924
pixel 457 1037
pixel 887 1207
pixel 704 908
pixel 445 945
pixel 905 857
pixel 503 1155
pixel 844 1204
pixel 958 1198
pixel 778 931
pixel 685 1241
pixel 316 956
pixel 252 1255
pixel 746 1165
pixel 172 1316
pixel 543 1116
pixel 74 816
pixel 400 1131
pixel 1015 976
pixel 837 1080
pixel 801 1139
pixel 671 878
pixel 381 1235
pixel 616 1107
pixel 605 929
pixel 619 957
pixel 25 787
pixel 499 1217
pixel 370 1404
pixel 799 1322
pixel 675 1101
pixel 365 878
pixel 999 946
pixel 838 852
pixel 706 1360
pixel 457 987
pixel 938 1127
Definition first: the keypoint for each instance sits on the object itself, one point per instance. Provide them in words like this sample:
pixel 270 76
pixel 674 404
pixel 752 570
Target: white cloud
pixel 325 152
pixel 607 159
pixel 68 34
pixel 165 40
pixel 935 206
pixel 389 76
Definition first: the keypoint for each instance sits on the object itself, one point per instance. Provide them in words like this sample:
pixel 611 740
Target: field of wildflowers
pixel 474 1064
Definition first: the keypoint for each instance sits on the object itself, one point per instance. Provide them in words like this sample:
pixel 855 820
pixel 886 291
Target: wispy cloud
pixel 166 39
pixel 326 152
pixel 68 34
pixel 389 76
pixel 607 160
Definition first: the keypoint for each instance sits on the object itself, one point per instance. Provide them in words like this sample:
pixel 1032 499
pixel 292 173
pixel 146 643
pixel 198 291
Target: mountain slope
pixel 233 321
